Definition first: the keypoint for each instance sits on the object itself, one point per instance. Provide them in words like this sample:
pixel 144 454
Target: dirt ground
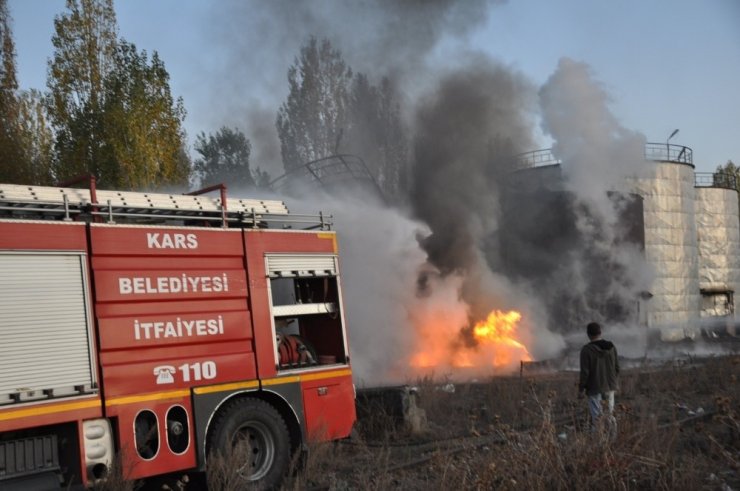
pixel 677 428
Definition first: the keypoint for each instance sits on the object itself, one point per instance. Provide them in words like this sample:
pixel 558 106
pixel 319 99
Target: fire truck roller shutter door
pixel 252 436
pixel 45 326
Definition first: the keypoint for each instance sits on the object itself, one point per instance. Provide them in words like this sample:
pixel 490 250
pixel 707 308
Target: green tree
pixel 224 158
pixel 727 175
pixel 143 137
pixel 312 121
pixel 85 41
pixel 36 138
pixel 394 143
pixel 12 165
pixel 26 139
pixel 110 105
pixel 363 129
pixel 376 132
pixel 330 111
pixel 262 179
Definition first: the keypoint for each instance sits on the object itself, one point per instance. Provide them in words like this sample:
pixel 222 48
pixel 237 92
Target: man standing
pixel 599 371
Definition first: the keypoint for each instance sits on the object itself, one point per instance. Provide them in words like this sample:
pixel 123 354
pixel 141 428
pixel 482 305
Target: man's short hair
pixel 593 329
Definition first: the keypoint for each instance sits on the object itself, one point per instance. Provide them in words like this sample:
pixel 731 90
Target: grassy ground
pixel 678 428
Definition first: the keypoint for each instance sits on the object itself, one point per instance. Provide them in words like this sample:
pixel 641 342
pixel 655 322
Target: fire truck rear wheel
pixel 253 433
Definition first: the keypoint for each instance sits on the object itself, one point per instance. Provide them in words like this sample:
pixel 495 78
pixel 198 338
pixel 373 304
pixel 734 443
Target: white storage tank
pixel 670 240
pixel 718 240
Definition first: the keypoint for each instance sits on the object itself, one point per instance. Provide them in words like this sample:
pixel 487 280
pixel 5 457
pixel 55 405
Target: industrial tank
pixel 670 240
pixel 542 242
pixel 718 240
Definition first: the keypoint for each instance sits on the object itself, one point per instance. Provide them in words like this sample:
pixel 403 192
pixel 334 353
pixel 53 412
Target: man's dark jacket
pixel 599 367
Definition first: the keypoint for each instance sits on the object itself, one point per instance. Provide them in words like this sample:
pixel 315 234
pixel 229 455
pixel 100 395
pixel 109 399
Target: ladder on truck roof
pixel 66 203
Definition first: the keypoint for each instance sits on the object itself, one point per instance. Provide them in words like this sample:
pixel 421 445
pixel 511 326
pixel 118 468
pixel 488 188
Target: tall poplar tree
pixel 12 167
pixel 313 119
pixel 330 111
pixel 36 139
pixel 85 41
pixel 110 105
pixel 376 133
pixel 142 122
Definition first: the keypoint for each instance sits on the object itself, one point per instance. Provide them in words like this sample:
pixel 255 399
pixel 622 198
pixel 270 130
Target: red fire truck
pixel 154 331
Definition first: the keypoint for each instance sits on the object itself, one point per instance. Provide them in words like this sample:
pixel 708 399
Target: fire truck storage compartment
pixel 329 406
pixel 46 344
pixel 306 309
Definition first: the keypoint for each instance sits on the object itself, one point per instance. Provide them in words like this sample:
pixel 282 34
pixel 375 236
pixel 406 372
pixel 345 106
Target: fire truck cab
pixel 150 333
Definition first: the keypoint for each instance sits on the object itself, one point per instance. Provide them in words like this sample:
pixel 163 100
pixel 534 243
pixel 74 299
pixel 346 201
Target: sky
pixel 666 65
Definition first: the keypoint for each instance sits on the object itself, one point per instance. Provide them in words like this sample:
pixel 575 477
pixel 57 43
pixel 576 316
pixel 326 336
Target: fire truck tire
pixel 252 431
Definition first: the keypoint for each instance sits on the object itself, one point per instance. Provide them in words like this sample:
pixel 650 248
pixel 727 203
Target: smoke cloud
pixel 379 259
pixel 598 154
pixel 467 130
pixel 389 322
pixel 557 244
pixel 604 268
pixel 260 40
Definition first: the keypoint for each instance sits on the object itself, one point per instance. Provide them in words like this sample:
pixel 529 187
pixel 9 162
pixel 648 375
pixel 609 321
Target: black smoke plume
pixel 468 128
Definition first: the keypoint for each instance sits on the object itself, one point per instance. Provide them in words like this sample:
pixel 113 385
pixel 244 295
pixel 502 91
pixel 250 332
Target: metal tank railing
pixel 724 180
pixel 664 152
pixel 536 158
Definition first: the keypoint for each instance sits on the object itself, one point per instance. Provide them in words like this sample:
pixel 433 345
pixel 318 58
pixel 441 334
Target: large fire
pixel 499 330
pixel 495 345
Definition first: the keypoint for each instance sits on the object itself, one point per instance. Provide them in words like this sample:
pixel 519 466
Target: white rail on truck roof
pixel 29 201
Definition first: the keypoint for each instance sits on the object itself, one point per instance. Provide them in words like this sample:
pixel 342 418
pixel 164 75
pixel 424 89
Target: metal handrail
pixel 665 152
pixel 38 209
pixel 725 180
pixel 662 152
pixel 108 211
pixel 313 221
pixel 537 158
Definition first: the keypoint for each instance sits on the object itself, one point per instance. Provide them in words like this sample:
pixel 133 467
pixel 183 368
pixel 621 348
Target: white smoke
pixel 598 156
pixel 380 261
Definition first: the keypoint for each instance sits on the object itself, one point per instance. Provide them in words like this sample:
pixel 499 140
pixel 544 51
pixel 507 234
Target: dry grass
pixel 116 479
pixel 678 428
pixel 222 471
pixel 532 433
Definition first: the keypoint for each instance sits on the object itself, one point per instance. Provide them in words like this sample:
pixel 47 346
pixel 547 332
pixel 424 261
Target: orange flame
pixel 499 330
pixel 496 339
